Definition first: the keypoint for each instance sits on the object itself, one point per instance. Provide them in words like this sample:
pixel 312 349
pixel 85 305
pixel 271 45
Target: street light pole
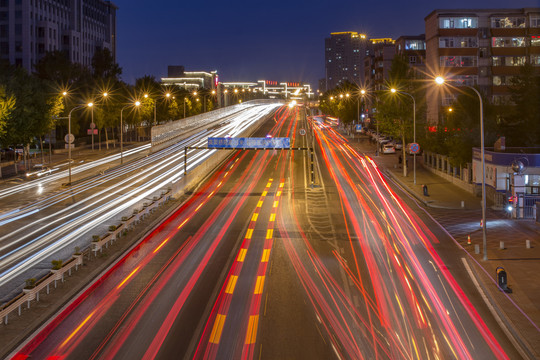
pixel 137 103
pixel 414 130
pixel 440 80
pixel 69 136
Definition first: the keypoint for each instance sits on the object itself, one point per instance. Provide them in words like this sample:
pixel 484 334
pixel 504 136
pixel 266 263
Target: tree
pixel 7 104
pixel 523 125
pixel 103 65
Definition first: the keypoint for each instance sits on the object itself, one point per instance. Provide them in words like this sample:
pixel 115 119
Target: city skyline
pixel 249 42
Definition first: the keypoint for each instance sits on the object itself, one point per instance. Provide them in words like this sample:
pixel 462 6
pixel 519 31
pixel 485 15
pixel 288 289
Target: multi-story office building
pixel 30 28
pixel 344 58
pixel 479 47
pixel 413 48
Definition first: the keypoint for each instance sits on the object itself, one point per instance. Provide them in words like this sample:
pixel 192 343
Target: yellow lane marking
pixel 128 277
pixel 251 334
pixel 76 330
pixel 272 217
pixel 259 204
pixel 276 203
pixel 266 255
pixel 278 194
pixel 269 233
pixel 241 255
pixel 281 185
pixel 160 245
pixel 249 233
pixel 254 217
pixel 259 285
pixel 269 184
pixel 217 329
pixel 264 193
pixel 231 285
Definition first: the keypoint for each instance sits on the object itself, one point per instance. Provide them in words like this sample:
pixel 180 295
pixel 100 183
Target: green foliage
pixel 57 264
pixel 30 283
pixel 336 102
pixel 7 104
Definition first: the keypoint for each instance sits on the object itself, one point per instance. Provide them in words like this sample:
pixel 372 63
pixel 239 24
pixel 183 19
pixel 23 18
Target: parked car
pixel 388 149
pixel 397 144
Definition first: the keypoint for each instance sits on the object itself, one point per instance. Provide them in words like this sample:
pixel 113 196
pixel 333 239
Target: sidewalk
pixel 521 309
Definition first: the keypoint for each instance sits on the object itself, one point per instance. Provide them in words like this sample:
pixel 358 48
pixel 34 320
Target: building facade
pixel 413 48
pixel 30 28
pixel 344 58
pixel 377 63
pixel 479 47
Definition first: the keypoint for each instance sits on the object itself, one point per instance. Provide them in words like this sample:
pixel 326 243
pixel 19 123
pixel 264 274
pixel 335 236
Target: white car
pixel 388 149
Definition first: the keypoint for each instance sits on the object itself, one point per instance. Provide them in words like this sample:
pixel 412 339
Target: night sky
pixel 253 40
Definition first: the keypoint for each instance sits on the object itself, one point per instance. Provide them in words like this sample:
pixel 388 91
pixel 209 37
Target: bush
pixel 124 218
pixel 77 250
pixel 56 264
pixel 95 237
pixel 30 283
pixel 112 227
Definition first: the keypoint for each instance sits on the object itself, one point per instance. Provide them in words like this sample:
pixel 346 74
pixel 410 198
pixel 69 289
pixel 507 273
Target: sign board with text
pixel 358 128
pixel 249 143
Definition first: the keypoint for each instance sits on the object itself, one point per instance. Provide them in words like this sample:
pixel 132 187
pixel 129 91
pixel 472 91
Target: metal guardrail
pixel 30 294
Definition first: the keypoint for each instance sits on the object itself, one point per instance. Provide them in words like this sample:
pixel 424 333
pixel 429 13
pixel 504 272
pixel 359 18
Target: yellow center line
pixel 251 334
pixel 249 233
pixel 232 284
pixel 128 277
pixel 276 203
pixel 278 194
pixel 266 255
pixel 183 223
pixel 272 217
pixel 217 329
pixel 259 285
pixel 264 193
pixel 269 233
pixel 241 255
pixel 254 217
pixel 259 204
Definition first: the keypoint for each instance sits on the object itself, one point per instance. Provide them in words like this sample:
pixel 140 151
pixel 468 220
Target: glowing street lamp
pixel 71 138
pixel 136 104
pixel 440 80
pixel 414 132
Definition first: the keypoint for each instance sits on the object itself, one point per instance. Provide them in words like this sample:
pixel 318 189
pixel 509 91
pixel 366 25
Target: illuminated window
pixel 508 42
pixel 415 45
pixel 458 61
pixel 535 21
pixel 508 60
pixel 502 80
pixel 508 22
pixel 535 60
pixel 458 22
pixel 458 42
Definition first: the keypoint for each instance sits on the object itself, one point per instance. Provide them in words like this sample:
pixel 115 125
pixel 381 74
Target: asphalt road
pixel 260 264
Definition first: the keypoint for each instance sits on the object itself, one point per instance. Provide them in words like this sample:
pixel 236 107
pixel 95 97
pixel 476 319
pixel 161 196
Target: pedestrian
pixel 425 190
pixel 400 160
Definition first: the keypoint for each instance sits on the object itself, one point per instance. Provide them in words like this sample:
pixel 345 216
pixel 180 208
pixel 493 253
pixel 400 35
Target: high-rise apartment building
pixel 30 28
pixel 377 63
pixel 413 49
pixel 344 58
pixel 479 47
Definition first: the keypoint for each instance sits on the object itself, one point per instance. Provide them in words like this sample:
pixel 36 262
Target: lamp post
pixel 70 136
pixel 440 80
pixel 136 103
pixel 362 93
pixel 414 131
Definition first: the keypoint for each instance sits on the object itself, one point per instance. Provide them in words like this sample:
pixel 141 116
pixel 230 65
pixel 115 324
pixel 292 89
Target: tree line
pixel 34 104
pixel 458 128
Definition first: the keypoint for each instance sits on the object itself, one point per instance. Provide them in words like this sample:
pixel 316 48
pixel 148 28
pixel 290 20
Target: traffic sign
pixel 69 138
pixel 91 131
pixel 92 125
pixel 414 148
pixel 302 132
pixel 358 128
